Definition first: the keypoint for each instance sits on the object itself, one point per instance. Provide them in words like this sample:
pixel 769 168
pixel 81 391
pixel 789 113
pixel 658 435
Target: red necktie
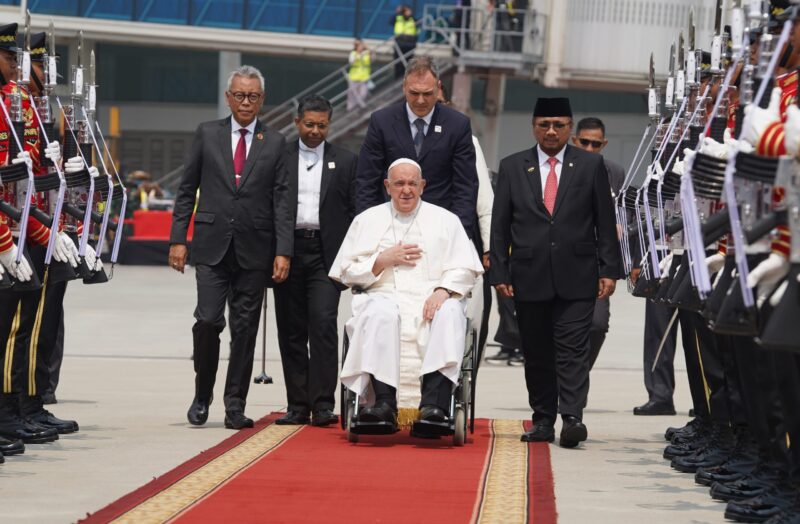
pixel 551 186
pixel 240 155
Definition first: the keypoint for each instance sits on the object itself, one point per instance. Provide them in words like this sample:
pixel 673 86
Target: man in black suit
pixel 555 251
pixel 242 231
pixel 306 305
pixel 437 137
pixel 590 135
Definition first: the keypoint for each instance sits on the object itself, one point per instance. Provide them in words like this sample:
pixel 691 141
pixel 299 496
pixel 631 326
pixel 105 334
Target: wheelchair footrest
pixel 373 428
pixel 426 429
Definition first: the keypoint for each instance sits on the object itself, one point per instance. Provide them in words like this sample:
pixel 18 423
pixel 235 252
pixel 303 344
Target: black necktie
pixel 420 125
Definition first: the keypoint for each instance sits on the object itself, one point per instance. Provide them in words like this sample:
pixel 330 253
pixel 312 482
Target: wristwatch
pixel 449 293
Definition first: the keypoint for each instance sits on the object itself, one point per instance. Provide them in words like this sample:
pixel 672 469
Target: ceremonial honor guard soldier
pixel 321 177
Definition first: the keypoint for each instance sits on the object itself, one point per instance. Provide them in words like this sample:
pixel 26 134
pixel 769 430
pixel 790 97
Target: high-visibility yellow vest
pixel 403 26
pixel 360 70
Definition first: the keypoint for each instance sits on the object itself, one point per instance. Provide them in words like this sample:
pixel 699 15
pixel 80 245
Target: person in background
pixel 405 36
pixel 358 76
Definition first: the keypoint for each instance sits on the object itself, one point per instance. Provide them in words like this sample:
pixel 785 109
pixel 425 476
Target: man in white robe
pixel 412 265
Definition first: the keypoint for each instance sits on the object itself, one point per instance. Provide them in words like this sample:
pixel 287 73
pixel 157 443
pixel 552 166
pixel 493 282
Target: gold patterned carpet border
pixel 170 502
pixel 504 497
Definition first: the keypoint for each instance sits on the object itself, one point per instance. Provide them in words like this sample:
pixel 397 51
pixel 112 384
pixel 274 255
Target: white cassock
pixel 388 337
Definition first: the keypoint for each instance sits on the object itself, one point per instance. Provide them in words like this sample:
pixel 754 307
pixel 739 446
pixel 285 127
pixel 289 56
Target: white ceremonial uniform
pixel 388 337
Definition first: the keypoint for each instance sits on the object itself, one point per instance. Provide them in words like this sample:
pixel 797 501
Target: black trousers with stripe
pixel 22 331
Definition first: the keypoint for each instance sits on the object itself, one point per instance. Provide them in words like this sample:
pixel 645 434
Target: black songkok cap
pixel 552 107
pixel 8 37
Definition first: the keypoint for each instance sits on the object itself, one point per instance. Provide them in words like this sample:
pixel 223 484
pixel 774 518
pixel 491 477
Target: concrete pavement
pixel 128 380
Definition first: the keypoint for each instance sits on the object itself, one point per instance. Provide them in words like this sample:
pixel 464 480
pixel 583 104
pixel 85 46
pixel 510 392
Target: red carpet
pixel 290 474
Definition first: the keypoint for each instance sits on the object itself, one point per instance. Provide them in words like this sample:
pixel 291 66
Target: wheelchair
pixel 462 404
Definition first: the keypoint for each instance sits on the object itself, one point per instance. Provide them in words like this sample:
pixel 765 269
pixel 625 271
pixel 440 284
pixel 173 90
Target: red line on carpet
pixel 541 489
pixel 158 484
pixel 317 476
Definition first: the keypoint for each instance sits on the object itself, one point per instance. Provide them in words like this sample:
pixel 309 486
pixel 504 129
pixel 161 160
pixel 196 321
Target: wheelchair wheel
pixel 350 410
pixel 460 433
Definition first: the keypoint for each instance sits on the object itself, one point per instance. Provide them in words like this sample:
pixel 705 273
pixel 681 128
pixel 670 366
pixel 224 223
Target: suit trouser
pixel 507 334
pixel 306 310
pixel 406 44
pixel 555 342
pixel 597 334
pixel 660 382
pixel 485 313
pixel 243 290
pixel 787 379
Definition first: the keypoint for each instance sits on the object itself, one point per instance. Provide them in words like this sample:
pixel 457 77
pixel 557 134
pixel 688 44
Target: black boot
pixel 14 427
pixel 11 447
pixel 740 462
pixel 765 476
pixel 763 507
pixel 714 453
pixel 32 409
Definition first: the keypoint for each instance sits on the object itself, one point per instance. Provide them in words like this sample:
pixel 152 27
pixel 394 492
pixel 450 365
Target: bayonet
pixel 691 30
pixel 718 18
pixel 669 102
pixel 652 75
pixel 27 38
pixel 680 78
pixel 653 97
pixel 691 59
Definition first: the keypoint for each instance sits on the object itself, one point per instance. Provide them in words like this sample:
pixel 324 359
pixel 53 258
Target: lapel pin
pixel 570 164
pixel 260 136
pixel 331 165
pixel 437 129
pixel 531 169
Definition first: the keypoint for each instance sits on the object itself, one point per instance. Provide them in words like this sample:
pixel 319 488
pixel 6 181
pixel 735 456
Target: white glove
pixel 664 265
pixel 92 260
pixel 792 130
pixel 757 119
pixel 776 297
pixel 677 167
pixel 655 171
pixel 53 152
pixel 65 250
pixel 713 148
pixel 767 274
pixel 21 271
pixel 23 156
pixel 93 172
pixel 73 165
pixel 715 262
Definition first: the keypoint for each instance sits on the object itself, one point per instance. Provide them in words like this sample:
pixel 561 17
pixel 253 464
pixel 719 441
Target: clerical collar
pixel 397 213
pixel 311 155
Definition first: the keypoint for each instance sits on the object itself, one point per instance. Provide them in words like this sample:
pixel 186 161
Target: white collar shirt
pixel 544 165
pixel 236 135
pixel 413 118
pixel 309 184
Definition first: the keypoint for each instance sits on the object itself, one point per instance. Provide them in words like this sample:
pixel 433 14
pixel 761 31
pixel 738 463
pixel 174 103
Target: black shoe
pixel 48 420
pixel 237 420
pixel 293 418
pixel 655 407
pixel 762 507
pixel 432 414
pixel 378 413
pixel 516 359
pixel 49 398
pixel 540 432
pixel 13 427
pixel 324 417
pixel 761 480
pixel 573 432
pixel 691 427
pixel 11 447
pixel 502 356
pixel 198 412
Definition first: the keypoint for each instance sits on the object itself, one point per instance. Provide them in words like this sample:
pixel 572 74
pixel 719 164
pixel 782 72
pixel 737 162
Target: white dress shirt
pixel 236 135
pixel 544 165
pixel 413 118
pixel 309 183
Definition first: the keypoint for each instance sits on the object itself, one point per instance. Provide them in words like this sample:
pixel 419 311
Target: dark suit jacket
pixel 256 215
pixel 447 159
pixel 563 255
pixel 336 206
pixel 616 175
